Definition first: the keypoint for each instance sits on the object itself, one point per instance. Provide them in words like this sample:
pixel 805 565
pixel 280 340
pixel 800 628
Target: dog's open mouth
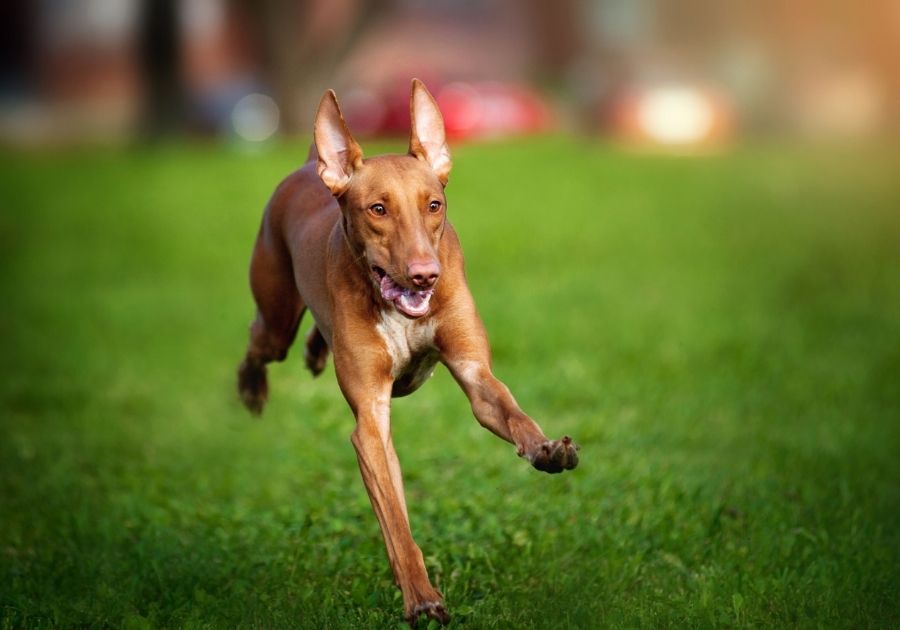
pixel 410 302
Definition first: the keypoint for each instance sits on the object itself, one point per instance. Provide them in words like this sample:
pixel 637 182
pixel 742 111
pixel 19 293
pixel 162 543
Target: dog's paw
pixel 316 355
pixel 554 456
pixel 253 386
pixel 315 362
pixel 432 610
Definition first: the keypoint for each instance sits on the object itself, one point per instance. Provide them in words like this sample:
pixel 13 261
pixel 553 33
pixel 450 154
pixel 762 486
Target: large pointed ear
pixel 338 152
pixel 427 140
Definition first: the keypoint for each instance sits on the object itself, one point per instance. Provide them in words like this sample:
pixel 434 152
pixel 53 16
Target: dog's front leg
pixel 367 388
pixel 465 351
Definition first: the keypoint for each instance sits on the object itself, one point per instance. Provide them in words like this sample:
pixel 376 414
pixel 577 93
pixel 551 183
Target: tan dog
pixel 365 245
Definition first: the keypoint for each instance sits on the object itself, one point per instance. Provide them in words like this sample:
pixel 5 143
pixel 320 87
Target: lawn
pixel 721 334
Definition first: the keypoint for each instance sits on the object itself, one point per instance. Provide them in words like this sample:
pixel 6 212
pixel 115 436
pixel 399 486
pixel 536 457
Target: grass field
pixel 721 335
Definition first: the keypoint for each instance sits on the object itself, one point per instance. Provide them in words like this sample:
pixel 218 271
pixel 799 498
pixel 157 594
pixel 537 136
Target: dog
pixel 366 247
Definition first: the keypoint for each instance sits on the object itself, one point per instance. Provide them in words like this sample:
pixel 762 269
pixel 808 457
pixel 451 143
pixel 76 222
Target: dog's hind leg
pixel 279 310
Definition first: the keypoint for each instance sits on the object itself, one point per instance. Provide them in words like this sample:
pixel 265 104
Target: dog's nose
pixel 424 274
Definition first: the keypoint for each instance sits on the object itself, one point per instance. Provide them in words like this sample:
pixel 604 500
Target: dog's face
pixel 394 208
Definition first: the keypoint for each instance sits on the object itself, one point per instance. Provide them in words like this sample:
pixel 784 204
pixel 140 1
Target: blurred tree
pixel 302 41
pixel 17 50
pixel 559 34
pixel 159 54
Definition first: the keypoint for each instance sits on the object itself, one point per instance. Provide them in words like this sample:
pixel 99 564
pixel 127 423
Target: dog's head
pixel 393 206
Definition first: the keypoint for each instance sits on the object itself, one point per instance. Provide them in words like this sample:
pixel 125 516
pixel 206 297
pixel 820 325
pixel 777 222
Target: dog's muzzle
pixel 410 302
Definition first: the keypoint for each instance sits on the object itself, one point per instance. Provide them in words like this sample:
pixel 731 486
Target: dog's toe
pixel 555 456
pixel 432 610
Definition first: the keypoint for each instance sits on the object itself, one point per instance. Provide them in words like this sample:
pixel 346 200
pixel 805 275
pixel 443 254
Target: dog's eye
pixel 378 210
pixel 434 206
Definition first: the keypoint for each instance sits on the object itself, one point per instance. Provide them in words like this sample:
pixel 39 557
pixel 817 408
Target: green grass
pixel 721 335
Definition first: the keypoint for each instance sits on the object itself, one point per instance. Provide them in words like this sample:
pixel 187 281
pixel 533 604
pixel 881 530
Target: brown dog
pixel 365 245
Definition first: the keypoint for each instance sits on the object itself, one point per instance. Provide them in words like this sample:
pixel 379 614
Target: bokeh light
pixel 255 117
pixel 675 115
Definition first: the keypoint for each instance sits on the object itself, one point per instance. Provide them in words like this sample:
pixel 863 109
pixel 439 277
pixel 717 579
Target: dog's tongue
pixel 407 301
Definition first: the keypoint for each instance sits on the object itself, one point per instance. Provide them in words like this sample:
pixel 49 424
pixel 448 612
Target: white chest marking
pixel 404 338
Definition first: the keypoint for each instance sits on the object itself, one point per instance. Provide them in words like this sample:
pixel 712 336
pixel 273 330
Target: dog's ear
pixel 339 154
pixel 427 140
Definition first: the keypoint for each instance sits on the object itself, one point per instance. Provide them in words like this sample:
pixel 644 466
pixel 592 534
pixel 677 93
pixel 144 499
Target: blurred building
pixel 800 66
pixel 113 69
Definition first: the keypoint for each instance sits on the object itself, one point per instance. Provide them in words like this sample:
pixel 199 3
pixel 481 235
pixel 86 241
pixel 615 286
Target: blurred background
pixel 649 72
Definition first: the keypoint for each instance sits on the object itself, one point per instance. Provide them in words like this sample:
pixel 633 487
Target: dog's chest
pixel 410 344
